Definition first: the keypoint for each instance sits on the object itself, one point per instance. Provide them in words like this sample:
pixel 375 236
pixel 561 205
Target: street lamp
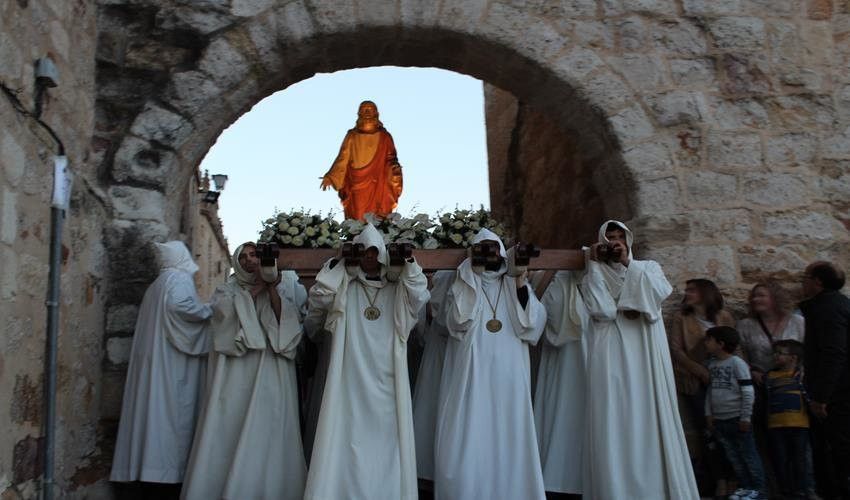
pixel 219 180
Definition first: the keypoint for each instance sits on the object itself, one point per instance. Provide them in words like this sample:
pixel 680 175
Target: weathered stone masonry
pixel 720 129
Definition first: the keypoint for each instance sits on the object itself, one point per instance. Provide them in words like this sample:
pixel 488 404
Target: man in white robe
pixel 427 390
pixel 486 445
pixel 634 444
pixel 248 442
pixel 364 446
pixel 559 398
pixel 164 375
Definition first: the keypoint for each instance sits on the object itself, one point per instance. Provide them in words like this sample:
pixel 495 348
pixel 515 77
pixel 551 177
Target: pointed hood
pixel 175 255
pixel 371 237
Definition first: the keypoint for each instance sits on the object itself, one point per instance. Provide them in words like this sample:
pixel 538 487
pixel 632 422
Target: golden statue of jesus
pixel 366 173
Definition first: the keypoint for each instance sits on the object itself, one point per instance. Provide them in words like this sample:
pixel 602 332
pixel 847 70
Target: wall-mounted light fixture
pixel 219 180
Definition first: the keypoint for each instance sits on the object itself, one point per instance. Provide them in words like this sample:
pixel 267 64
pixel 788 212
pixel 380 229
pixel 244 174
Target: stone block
pixel 649 159
pixel 224 63
pixel 762 262
pixel 32 275
pixel 784 39
pixel 589 34
pixel 620 7
pixel 817 43
pixel 139 161
pixel 775 8
pixel 158 124
pixel 775 190
pixel 633 34
pixel 575 64
pixel 660 196
pixel 741 34
pixel 508 24
pixel 680 37
pixel 121 318
pixel 642 72
pixel 27 460
pixel 802 111
pixel 837 145
pixel 711 7
pixel 682 262
pixel 190 92
pixel 678 107
pixel 118 350
pixel 662 228
pixel 417 13
pixel 820 10
pixel 699 72
pixel 8 216
pixel 740 149
pixel 293 22
pixel 59 39
pixel 333 16
pixel 721 225
pixel 802 225
pixel 712 188
pixel 745 74
pixel 193 19
pixel 790 150
pixel 835 190
pixel 607 91
pixel 8 280
pixel 111 394
pixel 631 124
pixel 26 404
pixel 248 8
pixel 12 156
pixel 736 114
pixel 133 203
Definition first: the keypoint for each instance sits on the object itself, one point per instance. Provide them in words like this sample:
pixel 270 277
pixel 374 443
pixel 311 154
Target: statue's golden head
pixel 367 118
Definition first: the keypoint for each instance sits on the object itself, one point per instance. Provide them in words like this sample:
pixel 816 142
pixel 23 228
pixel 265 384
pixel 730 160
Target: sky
pixel 275 154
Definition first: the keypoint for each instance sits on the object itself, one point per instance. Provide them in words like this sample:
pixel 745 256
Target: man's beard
pixel 368 125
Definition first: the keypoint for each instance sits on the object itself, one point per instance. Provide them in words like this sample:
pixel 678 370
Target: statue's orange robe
pixel 372 187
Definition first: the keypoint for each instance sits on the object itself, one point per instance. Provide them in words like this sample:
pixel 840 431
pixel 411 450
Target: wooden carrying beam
pixel 310 261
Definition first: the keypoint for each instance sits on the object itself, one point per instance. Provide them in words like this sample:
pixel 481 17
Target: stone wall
pixel 723 124
pixel 64 30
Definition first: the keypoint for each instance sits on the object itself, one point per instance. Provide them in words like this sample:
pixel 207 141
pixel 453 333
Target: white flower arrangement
pixel 394 228
pixel 457 229
pixel 301 229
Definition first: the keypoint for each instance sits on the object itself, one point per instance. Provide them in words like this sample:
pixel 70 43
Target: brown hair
pixel 831 277
pixel 782 302
pixel 710 296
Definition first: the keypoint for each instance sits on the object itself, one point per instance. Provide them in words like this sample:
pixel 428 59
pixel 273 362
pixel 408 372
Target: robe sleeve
pixel 600 304
pixel 645 289
pixel 184 306
pixel 224 324
pixel 566 313
pixel 340 165
pixel 531 318
pixel 462 304
pixel 322 298
pixel 413 292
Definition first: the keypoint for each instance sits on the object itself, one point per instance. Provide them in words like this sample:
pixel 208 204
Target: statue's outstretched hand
pixel 326 183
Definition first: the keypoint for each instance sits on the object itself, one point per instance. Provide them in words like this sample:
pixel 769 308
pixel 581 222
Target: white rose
pixel 282 226
pixel 292 230
pixel 321 240
pixel 457 224
pixel 475 225
pixel 296 221
pixel 298 241
pixel 286 240
pixel 310 231
pixel 457 238
pixel 431 244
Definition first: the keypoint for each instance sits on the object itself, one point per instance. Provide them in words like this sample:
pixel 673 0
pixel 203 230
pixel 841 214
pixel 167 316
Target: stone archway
pixel 677 123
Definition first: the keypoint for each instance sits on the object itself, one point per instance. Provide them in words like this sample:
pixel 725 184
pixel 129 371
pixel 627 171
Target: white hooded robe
pixel 559 398
pixel 427 392
pixel 634 445
pixel 364 446
pixel 248 441
pixel 164 375
pixel 486 447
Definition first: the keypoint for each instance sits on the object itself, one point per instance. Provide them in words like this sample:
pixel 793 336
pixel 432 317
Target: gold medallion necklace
pixel 371 313
pixel 493 325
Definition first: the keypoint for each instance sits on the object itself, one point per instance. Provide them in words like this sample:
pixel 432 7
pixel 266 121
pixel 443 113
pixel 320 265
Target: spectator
pixel 702 308
pixel 827 374
pixel 788 421
pixel 728 410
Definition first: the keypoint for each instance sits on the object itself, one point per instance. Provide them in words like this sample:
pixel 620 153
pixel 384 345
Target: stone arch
pixel 227 62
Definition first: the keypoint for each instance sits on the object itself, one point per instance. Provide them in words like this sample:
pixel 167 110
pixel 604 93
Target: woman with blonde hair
pixel 771 319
